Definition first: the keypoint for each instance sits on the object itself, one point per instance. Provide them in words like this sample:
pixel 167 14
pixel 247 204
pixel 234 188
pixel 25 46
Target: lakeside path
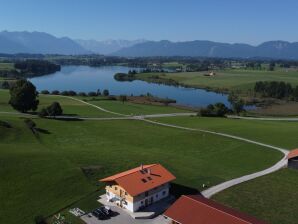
pixel 264 118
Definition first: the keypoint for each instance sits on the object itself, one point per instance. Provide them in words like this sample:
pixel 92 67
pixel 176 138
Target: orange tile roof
pixel 292 154
pixel 195 209
pixel 136 182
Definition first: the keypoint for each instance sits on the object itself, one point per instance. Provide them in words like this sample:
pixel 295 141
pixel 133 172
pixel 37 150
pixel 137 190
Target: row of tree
pixel 74 93
pixel 279 90
pixel 36 67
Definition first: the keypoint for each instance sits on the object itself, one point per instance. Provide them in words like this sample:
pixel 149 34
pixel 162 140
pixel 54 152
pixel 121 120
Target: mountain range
pixel 38 43
pixel 44 43
pixel 107 46
pixel 197 48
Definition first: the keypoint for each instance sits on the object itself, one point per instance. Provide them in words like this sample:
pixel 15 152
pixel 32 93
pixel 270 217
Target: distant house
pixel 293 159
pixel 212 73
pixel 139 187
pixel 195 209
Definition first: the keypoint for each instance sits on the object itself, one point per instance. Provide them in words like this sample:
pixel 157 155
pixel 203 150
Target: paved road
pixel 223 186
pixel 264 118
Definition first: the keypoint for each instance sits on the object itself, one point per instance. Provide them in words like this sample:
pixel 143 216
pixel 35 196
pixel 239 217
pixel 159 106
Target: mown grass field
pixel 277 133
pixel 76 108
pixel 226 80
pixel 6 66
pixel 42 174
pixel 272 197
pixel 129 108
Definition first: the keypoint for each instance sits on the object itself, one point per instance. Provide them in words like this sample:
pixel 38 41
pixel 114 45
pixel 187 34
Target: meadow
pixel 225 80
pixel 76 108
pixel 6 66
pixel 277 133
pixel 272 197
pixel 44 173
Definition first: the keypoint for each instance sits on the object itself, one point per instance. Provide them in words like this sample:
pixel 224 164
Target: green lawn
pixel 242 80
pixel 135 109
pixel 272 198
pixel 6 66
pixel 40 175
pixel 73 107
pixel 278 133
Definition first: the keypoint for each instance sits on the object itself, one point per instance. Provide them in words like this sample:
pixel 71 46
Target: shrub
pixel 72 93
pixel 53 110
pixel 106 92
pixel 82 94
pixel 216 110
pixel 55 92
pixel 64 93
pixel 45 92
pixel 92 94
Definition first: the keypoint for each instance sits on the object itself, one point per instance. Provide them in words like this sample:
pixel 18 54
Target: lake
pixel 86 79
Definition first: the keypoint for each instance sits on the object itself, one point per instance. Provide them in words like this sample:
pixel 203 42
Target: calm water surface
pixel 86 79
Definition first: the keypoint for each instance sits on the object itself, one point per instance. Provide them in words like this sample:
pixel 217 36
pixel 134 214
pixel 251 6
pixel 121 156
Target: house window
pixel 164 193
pixel 146 193
pixel 116 188
pixel 157 196
pixel 144 180
pixel 149 178
pixel 125 193
pixel 142 202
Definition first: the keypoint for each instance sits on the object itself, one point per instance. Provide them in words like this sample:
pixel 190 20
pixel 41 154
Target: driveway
pixel 123 217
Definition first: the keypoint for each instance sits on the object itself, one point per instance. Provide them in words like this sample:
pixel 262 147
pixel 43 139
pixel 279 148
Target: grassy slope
pixel 136 109
pixel 228 79
pixel 72 107
pixel 278 133
pixel 272 197
pixel 40 176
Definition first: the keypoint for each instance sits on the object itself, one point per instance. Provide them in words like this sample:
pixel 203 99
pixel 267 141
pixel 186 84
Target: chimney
pixel 149 171
pixel 141 167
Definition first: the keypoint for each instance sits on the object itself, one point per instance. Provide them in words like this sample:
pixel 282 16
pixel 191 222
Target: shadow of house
pixel 177 190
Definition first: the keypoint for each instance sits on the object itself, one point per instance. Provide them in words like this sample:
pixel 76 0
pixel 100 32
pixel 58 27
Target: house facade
pixel 139 187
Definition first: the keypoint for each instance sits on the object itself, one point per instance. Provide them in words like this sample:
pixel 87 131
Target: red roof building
pixel 293 159
pixel 139 187
pixel 195 209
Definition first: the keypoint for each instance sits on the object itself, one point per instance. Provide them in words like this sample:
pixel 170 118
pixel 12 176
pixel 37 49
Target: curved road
pixel 220 187
pixel 212 190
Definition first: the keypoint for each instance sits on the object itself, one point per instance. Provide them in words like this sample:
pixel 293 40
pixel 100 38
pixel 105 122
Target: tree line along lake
pixel 86 79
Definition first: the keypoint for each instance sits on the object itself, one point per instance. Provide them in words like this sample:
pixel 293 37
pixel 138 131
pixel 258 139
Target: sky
pixel 231 21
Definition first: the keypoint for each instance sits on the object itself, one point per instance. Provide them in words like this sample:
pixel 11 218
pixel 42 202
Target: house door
pixel 151 200
pixel 146 202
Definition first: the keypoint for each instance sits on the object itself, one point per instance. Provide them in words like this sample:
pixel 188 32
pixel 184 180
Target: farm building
pixel 195 209
pixel 293 159
pixel 139 187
